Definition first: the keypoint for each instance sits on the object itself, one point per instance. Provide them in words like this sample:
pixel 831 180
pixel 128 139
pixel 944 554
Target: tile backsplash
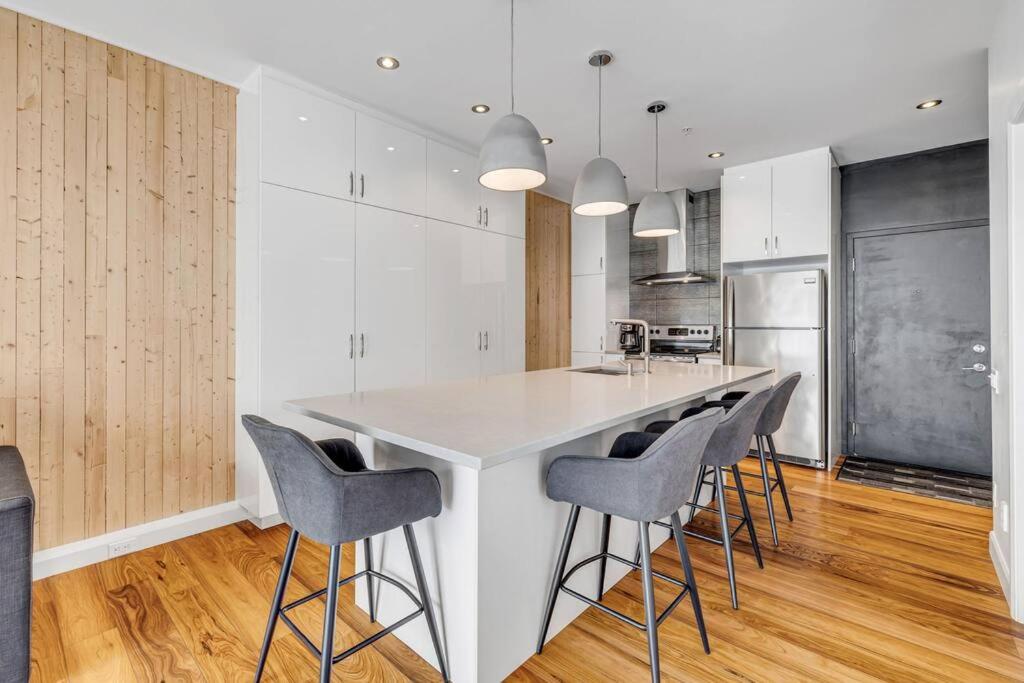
pixel 699 304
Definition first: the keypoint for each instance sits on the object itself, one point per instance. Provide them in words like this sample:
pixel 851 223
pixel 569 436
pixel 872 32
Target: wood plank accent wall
pixel 117 189
pixel 548 282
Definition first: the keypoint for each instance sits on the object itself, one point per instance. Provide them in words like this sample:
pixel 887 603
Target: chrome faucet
pixel 646 353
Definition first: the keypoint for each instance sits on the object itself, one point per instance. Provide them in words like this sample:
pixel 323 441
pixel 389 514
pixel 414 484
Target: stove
pixel 682 343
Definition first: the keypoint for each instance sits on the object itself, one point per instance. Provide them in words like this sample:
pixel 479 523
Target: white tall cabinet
pixel 369 258
pixel 600 285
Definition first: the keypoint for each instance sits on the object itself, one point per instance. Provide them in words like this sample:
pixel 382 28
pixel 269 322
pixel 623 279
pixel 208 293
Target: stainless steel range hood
pixel 672 263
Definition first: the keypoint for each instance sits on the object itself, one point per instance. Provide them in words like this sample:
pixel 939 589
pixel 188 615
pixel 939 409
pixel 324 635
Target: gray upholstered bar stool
pixel 324 491
pixel 728 446
pixel 642 489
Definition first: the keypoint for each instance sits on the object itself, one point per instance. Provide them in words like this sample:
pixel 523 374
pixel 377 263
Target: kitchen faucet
pixel 646 353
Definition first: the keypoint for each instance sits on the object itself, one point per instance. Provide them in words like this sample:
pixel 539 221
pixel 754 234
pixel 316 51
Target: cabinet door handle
pixel 776 244
pixel 362 185
pixel 362 345
pixel 601 263
pixel 351 183
pixel 479 215
pixel 766 245
pixel 487 343
pixel 601 346
pixel 479 341
pixel 351 346
pixel 487 217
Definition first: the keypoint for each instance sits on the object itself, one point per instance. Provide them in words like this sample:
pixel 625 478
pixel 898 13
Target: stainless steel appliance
pixel 631 338
pixel 682 343
pixel 778 320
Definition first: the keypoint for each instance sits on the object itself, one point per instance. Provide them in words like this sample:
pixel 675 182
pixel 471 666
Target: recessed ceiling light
pixel 929 104
pixel 546 141
pixel 716 155
pixel 303 118
pixel 480 109
pixel 391 149
pixel 387 62
pixel 455 170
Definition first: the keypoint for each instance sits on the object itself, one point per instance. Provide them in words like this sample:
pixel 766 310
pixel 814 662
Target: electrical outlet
pixel 121 547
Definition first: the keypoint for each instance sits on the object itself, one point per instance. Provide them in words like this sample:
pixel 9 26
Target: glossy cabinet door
pixel 589 323
pixel 454 325
pixel 514 338
pixel 800 204
pixel 588 244
pixel 307 297
pixel 747 213
pixel 503 303
pixel 391 166
pixel 453 193
pixel 503 212
pixel 390 299
pixel 308 142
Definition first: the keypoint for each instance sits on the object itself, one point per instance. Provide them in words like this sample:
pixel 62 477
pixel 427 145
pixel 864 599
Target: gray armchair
pixel 17 515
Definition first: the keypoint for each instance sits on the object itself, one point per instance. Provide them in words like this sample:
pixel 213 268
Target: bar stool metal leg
pixel 556 580
pixel 428 606
pixel 746 515
pixel 723 516
pixel 275 606
pixel 650 611
pixel 702 474
pixel 691 581
pixel 606 524
pixel 330 611
pixel 778 475
pixel 368 552
pixel 766 480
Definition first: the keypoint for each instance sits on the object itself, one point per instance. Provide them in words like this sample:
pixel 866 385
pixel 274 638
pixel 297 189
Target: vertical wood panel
pixel 117 282
pixel 96 286
pixel 29 242
pixel 548 282
pixel 172 287
pixel 135 333
pixel 51 380
pixel 117 210
pixel 73 504
pixel 8 222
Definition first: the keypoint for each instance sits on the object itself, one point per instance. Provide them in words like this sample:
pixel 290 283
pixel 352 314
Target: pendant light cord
pixel 600 72
pixel 512 56
pixel 656 159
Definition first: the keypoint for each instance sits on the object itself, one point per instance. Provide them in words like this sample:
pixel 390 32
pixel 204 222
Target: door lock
pixel 978 348
pixel 977 367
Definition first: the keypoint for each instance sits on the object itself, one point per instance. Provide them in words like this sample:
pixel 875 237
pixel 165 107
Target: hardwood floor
pixel 866 585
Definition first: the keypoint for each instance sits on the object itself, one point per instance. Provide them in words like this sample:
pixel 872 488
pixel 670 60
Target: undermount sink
pixel 600 370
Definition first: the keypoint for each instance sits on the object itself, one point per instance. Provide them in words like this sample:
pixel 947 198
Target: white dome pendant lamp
pixel 656 216
pixel 600 189
pixel 512 157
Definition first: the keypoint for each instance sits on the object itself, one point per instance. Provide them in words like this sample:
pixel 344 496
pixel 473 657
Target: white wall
pixel 1006 99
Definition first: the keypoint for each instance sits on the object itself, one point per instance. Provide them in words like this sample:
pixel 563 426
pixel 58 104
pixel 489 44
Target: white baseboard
pixel 268 521
pixel 97 549
pixel 999 562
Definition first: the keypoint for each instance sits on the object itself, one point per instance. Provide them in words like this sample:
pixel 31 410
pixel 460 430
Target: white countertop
pixel 484 422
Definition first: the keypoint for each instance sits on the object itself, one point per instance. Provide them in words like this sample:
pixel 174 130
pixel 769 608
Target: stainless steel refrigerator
pixel 778 320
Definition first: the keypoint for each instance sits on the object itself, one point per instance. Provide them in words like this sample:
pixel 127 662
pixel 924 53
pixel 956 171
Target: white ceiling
pixel 754 79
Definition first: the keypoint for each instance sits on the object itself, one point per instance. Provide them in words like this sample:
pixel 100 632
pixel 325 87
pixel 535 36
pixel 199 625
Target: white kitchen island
pixel 490 554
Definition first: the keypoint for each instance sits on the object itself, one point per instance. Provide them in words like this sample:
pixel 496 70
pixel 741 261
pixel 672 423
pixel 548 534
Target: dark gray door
pixel 920 316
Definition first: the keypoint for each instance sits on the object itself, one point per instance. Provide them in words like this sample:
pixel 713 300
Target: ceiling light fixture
pixel 512 158
pixel 929 104
pixel 656 216
pixel 388 62
pixel 303 118
pixel 546 141
pixel 600 189
pixel 455 170
pixel 480 109
pixel 716 155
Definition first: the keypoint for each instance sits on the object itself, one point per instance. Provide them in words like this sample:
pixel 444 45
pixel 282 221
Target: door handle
pixel 977 367
pixel 766 245
pixel 351 346
pixel 776 244
pixel 487 342
pixel 479 341
pixel 362 345
pixel 351 183
pixel 479 215
pixel 362 185
pixel 487 217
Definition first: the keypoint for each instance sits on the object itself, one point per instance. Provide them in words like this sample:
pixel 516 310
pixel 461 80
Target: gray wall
pixel 688 304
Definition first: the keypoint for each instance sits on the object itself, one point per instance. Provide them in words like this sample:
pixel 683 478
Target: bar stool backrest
pixel 731 440
pixel 775 410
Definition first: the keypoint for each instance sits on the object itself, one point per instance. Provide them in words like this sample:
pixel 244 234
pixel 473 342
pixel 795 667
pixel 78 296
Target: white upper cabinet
pixel 390 299
pixel 454 329
pixel 747 212
pixel 391 167
pixel 308 142
pixel 306 297
pixel 503 212
pixel 778 208
pixel 453 193
pixel 800 204
pixel 588 244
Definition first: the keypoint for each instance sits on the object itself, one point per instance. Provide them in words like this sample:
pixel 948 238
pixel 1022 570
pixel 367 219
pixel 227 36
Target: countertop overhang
pixel 485 422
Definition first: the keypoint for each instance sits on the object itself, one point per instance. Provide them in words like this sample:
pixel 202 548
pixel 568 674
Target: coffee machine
pixel 631 338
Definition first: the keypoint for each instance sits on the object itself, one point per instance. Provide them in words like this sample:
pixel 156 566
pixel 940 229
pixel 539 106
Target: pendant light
pixel 656 216
pixel 512 157
pixel 600 189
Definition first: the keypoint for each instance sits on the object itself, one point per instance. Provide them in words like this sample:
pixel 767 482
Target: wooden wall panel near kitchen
pixel 548 282
pixel 116 263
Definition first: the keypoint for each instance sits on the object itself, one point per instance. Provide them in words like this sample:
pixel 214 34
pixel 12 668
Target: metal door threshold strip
pixel 960 487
